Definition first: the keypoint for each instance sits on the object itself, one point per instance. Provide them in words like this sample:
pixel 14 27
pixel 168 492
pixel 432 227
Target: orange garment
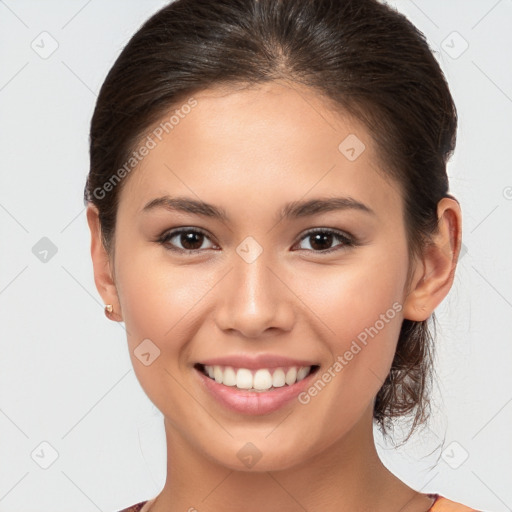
pixel 445 505
pixel 441 504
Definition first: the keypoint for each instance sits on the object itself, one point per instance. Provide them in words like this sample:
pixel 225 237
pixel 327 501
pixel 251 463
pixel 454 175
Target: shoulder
pixel 443 504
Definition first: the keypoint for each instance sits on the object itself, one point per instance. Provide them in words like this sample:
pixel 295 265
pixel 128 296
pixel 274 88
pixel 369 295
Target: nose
pixel 254 299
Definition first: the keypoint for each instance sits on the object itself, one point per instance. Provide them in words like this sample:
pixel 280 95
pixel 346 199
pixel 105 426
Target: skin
pixel 250 151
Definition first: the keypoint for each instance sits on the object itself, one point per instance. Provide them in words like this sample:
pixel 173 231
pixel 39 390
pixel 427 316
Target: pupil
pixel 188 238
pixel 322 237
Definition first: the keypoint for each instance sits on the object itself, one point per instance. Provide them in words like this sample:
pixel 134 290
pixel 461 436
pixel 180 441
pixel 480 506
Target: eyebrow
pixel 292 210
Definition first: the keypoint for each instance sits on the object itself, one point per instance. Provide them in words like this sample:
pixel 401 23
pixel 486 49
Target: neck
pixel 346 476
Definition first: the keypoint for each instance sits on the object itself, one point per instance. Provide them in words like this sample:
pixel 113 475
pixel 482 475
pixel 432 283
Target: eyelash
pixel 348 240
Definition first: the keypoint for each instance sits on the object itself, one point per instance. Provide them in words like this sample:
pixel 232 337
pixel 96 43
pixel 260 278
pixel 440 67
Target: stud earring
pixel 108 309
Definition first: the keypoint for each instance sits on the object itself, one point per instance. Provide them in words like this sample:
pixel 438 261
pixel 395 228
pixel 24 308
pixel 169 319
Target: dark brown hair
pixel 363 56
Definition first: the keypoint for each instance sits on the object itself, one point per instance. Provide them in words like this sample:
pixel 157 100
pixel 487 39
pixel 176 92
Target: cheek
pixel 158 299
pixel 353 296
pixel 360 304
pixel 159 302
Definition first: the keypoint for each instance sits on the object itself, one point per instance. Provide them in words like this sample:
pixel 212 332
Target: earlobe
pixel 103 277
pixel 436 270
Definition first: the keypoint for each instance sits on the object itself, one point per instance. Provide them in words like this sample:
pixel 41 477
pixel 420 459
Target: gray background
pixel 77 431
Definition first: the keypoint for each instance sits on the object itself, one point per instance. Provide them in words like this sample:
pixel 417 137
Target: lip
pixel 256 362
pixel 254 402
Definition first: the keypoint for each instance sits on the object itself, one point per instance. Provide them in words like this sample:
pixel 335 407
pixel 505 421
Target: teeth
pixel 229 377
pixel 291 376
pixel 278 379
pixel 262 380
pixel 258 380
pixel 217 374
pixel 243 378
pixel 301 374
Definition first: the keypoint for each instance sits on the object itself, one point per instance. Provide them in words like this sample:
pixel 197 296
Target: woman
pixel 270 218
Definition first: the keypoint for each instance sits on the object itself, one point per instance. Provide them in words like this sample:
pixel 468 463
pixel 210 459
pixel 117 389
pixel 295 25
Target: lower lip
pixel 254 402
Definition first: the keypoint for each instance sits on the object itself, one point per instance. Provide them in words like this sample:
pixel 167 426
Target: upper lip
pixel 254 362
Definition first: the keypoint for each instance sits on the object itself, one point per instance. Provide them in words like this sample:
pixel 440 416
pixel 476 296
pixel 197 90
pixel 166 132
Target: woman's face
pixel 256 283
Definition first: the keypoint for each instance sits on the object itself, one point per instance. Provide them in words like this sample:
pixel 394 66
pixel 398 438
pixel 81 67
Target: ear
pixel 103 276
pixel 434 273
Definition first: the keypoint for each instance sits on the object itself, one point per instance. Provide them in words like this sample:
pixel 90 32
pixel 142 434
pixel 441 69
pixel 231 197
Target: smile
pixel 256 390
pixel 262 379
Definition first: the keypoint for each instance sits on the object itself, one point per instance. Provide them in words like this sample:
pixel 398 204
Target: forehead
pixel 261 144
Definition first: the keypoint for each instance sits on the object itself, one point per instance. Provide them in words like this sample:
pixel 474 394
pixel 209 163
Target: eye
pixel 322 238
pixel 191 239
